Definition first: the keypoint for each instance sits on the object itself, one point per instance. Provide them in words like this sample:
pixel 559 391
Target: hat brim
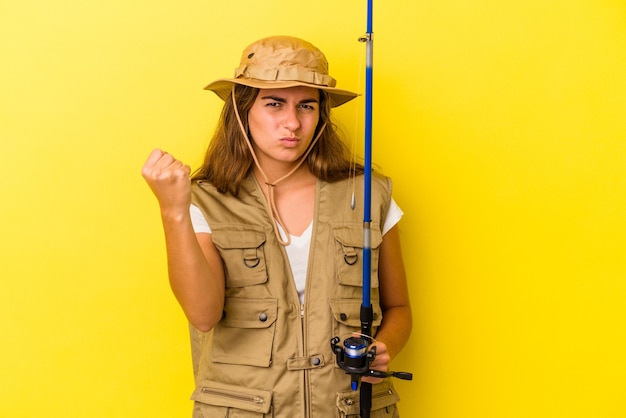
pixel 223 87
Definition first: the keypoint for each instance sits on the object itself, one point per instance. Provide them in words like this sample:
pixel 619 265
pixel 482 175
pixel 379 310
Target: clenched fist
pixel 169 180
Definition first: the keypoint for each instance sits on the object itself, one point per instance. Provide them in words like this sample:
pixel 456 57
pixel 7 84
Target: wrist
pixel 175 216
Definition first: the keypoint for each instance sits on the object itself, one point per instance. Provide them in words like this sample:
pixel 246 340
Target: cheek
pixel 255 124
pixel 312 122
pixel 317 124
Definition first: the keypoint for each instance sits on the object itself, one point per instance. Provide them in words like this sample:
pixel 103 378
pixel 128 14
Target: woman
pixel 266 263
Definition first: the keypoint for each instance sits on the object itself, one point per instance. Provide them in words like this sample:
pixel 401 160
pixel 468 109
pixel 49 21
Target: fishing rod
pixel 355 357
pixel 365 395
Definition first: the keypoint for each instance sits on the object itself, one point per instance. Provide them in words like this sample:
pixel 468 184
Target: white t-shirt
pixel 298 249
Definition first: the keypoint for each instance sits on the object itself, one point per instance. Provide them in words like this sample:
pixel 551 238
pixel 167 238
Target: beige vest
pixel 270 356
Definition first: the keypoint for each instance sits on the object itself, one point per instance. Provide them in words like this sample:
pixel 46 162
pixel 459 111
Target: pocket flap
pixel 229 239
pixel 249 313
pixel 233 396
pixel 383 395
pixel 348 312
pixel 352 235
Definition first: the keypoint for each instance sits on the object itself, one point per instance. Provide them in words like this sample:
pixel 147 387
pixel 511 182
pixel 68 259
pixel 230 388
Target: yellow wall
pixel 502 123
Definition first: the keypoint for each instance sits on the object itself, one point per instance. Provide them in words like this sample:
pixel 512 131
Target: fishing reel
pixel 355 359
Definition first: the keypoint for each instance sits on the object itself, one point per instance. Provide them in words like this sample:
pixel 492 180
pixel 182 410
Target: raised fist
pixel 169 180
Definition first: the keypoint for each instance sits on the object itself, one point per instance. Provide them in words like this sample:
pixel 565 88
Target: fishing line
pixel 357 130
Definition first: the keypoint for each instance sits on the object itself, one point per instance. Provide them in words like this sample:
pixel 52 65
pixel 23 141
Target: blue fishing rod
pixel 365 396
pixel 354 356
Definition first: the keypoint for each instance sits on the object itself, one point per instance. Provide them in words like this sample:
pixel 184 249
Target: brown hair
pixel 228 161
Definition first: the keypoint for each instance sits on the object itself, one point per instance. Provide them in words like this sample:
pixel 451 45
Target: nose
pixel 291 120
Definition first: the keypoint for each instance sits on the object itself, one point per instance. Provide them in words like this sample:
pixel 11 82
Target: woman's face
pixel 282 123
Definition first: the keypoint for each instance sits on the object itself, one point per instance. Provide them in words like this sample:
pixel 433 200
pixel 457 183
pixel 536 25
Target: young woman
pixel 264 246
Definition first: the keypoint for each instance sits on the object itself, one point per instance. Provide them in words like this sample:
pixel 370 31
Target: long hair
pixel 228 162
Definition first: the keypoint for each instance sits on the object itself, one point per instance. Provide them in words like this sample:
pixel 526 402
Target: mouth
pixel 290 141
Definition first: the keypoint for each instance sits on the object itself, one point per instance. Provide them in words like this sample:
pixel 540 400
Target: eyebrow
pixel 282 100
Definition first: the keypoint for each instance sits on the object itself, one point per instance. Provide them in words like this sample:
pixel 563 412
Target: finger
pixel 372 380
pixel 382 358
pixel 154 156
pixel 157 161
pixel 165 161
pixel 178 170
pixel 178 167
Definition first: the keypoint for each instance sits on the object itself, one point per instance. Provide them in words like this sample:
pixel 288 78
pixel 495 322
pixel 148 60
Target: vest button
pixel 316 361
pixel 263 317
pixel 343 316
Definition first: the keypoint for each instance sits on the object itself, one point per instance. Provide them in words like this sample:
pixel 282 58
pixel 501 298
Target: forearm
pixel 395 329
pixel 198 287
pixel 392 335
pixel 397 321
pixel 195 269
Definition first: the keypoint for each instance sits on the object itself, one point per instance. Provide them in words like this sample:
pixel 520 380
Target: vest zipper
pixel 257 400
pixel 305 374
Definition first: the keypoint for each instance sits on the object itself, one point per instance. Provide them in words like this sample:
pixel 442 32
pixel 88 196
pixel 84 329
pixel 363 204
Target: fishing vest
pixel 270 355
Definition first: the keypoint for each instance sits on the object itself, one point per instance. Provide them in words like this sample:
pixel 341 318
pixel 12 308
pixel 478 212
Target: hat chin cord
pixel 272 209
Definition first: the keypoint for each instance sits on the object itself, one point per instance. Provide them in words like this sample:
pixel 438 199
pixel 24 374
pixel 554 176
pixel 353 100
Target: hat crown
pixel 284 58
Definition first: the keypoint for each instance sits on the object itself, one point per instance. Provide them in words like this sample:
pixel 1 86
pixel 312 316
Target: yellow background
pixel 502 123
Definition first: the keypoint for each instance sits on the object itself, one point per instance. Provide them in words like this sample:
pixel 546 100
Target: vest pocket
pixel 245 335
pixel 349 253
pixel 384 400
pixel 347 316
pixel 243 252
pixel 221 400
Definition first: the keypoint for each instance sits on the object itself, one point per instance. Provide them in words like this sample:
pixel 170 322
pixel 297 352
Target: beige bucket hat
pixel 281 62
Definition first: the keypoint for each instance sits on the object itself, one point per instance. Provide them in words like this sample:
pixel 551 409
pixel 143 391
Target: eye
pixel 306 106
pixel 273 104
